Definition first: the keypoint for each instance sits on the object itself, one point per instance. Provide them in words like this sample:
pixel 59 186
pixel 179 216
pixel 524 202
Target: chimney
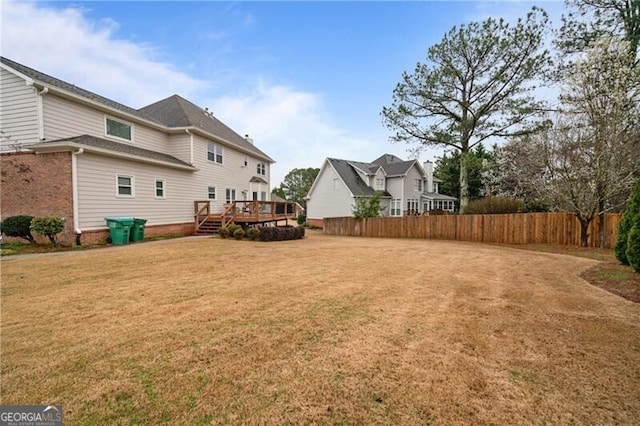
pixel 428 168
pixel 248 139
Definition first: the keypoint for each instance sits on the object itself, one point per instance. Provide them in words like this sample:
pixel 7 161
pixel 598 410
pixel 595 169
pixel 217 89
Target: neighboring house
pixel 77 155
pixel 404 187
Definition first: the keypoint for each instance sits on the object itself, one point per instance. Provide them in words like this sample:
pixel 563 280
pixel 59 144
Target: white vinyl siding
pixel 64 118
pixel 18 111
pixel 96 198
pixel 329 198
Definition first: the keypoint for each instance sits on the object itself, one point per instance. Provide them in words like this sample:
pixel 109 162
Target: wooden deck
pixel 244 213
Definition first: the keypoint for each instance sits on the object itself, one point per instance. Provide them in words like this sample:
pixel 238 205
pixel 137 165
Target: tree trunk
pixel 601 227
pixel 584 230
pixel 464 181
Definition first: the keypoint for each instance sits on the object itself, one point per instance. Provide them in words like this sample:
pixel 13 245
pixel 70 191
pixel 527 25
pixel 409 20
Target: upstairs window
pixel 418 184
pixel 379 183
pixel 214 152
pixel 118 129
pixel 262 169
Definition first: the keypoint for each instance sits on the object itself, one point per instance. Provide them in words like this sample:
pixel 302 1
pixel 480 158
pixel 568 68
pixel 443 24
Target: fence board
pixel 519 228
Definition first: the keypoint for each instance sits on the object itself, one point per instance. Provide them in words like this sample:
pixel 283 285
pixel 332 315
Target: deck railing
pixel 246 211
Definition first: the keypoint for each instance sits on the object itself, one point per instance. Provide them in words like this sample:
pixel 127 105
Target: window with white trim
pixel 336 184
pixel 379 183
pixel 160 188
pixel 396 207
pixel 231 195
pixel 418 184
pixel 118 129
pixel 125 186
pixel 211 192
pixel 214 152
pixel 262 169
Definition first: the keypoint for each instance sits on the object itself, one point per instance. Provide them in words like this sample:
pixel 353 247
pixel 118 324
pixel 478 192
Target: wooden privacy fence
pixel 518 228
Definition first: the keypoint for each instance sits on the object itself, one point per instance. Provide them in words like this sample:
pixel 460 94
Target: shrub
pixel 633 246
pixel 367 207
pixel 253 233
pixel 49 226
pixel 238 234
pixel 278 233
pixel 301 219
pixel 494 205
pixel 223 232
pixel 18 226
pixel 233 228
pixel 630 216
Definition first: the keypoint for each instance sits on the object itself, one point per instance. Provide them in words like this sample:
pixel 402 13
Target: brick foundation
pixel 177 229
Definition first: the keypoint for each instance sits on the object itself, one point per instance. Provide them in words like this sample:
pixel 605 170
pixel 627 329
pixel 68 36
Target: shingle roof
pixel 94 142
pixel 351 178
pixel 173 111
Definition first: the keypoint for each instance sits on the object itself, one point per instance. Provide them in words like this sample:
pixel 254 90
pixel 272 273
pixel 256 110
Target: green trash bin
pixel 137 231
pixel 119 229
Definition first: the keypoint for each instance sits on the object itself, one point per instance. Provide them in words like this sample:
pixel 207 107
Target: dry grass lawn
pixel 325 330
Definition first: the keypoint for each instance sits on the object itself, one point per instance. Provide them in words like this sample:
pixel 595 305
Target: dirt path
pixel 323 330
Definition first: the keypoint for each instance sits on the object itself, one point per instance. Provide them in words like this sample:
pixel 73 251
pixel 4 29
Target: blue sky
pixel 306 80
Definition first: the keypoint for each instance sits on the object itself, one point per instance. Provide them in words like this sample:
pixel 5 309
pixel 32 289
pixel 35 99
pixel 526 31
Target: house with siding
pixel 404 188
pixel 68 152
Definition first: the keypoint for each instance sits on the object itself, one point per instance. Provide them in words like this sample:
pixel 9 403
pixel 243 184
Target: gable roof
pixel 172 112
pixel 176 111
pixel 351 178
pixel 105 146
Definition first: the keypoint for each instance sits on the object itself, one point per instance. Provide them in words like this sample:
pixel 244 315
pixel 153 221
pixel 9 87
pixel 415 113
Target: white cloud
pixel 65 44
pixel 289 125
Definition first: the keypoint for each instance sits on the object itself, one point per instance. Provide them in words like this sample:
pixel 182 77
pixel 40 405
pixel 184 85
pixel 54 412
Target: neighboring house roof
pixel 172 112
pixel 437 196
pixel 351 178
pixel 176 111
pixel 110 147
pixel 257 179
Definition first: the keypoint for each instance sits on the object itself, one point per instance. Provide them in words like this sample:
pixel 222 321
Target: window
pixel 246 161
pixel 418 184
pixel 211 192
pixel 396 207
pixel 118 129
pixel 379 183
pixel 160 188
pixel 262 170
pixel 214 152
pixel 231 195
pixel 263 196
pixel 124 186
pixel 435 187
pixel 336 184
pixel 412 205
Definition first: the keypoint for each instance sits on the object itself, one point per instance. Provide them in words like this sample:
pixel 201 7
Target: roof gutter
pixel 191 156
pixel 74 189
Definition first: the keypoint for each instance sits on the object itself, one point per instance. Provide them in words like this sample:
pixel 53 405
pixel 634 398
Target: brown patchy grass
pixel 326 330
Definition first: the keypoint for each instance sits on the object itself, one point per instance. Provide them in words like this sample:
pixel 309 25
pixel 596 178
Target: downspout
pixel 74 190
pixel 40 105
pixel 191 157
